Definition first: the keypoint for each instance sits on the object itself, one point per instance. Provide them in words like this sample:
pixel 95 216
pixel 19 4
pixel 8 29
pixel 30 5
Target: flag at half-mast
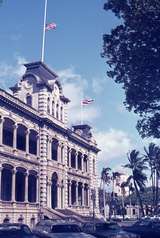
pixel 87 101
pixel 50 26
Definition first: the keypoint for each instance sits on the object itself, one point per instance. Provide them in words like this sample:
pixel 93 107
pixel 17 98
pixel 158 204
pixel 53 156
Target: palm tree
pixel 105 180
pixel 152 155
pixel 137 164
pixel 114 178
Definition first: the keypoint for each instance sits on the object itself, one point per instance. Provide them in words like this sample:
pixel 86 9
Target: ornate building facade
pixel 45 167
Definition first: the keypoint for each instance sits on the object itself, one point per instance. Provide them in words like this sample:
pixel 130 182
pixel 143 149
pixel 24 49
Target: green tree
pixel 137 165
pixel 152 154
pixel 105 180
pixel 132 52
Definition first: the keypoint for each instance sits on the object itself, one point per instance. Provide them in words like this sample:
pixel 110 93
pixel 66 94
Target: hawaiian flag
pixel 87 101
pixel 50 26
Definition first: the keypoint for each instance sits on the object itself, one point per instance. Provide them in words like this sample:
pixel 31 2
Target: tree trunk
pixel 156 193
pixel 139 198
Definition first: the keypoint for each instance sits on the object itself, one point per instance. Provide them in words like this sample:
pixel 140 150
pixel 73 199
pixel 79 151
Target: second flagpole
pixel 44 31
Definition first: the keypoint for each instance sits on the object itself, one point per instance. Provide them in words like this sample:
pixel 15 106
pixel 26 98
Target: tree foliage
pixel 132 51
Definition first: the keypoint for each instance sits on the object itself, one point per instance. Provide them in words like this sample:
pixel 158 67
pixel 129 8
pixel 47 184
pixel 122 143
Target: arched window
pixel 53 108
pixel 85 163
pixel 54 149
pixel 57 111
pixel 73 158
pixel 29 100
pixel 32 188
pixel 54 191
pixel 20 185
pixel 48 106
pixel 61 113
pixel 79 161
pixel 33 142
pixel 8 127
pixel 21 137
pixel 6 184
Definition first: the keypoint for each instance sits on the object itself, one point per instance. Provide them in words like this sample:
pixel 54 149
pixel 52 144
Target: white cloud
pixel 10 73
pixel 114 144
pixel 74 87
pixel 98 85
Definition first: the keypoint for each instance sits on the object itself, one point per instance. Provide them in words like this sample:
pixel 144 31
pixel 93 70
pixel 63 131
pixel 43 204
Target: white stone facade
pixel 45 167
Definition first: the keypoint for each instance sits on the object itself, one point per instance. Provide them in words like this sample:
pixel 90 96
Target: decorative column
pixel 76 186
pixel 27 141
pixel 76 160
pixel 69 157
pixel 59 195
pixel 49 193
pixel 26 187
pixel 15 126
pixel 59 152
pixel 13 184
pixel 1 131
pixel 82 160
pixel 49 155
pixel 0 182
pixel 83 195
pixel 69 192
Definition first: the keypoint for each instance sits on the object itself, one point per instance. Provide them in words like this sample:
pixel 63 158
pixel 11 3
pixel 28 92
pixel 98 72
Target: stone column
pixel 49 155
pixel 13 184
pixel 76 160
pixel 82 194
pixel 27 141
pixel 82 158
pixel 59 152
pixel 1 131
pixel 76 186
pixel 0 182
pixel 15 126
pixel 59 195
pixel 88 196
pixel 26 187
pixel 49 193
pixel 69 192
pixel 69 159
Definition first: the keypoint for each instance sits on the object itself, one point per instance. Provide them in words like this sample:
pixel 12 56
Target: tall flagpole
pixel 44 31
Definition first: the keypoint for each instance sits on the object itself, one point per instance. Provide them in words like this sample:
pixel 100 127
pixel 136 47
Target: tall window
pixel 53 108
pixel 8 132
pixel 33 142
pixel 21 137
pixel 48 106
pixel 20 186
pixel 54 149
pixel 6 184
pixel 29 100
pixel 61 113
pixel 32 188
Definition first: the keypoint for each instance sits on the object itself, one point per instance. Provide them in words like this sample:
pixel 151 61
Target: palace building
pixel 46 169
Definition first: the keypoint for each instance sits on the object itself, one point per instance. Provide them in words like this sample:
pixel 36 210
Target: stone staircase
pixel 66 215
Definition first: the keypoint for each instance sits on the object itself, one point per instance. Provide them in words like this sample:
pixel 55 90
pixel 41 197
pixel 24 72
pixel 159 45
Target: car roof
pixel 12 224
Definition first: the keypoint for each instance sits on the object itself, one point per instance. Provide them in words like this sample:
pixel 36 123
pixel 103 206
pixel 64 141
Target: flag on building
pixel 50 26
pixel 87 101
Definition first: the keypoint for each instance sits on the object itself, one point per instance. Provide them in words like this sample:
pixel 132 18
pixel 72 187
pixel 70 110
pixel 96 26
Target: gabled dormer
pixel 41 89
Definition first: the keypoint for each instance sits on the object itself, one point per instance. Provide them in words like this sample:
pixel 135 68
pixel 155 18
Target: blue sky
pixel 73 51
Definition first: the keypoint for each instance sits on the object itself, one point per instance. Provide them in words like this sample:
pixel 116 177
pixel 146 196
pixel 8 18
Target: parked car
pixel 15 230
pixel 49 229
pixel 146 227
pixel 107 230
